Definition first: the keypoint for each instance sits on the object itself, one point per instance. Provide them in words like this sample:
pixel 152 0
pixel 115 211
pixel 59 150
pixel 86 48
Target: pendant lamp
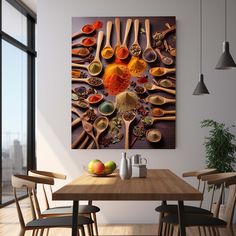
pixel 201 88
pixel 226 61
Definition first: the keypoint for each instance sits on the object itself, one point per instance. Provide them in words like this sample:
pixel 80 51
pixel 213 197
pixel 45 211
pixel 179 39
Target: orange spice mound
pixel 116 78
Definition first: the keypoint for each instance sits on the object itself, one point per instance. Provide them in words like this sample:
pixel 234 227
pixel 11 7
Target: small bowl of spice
pixel 106 108
pixel 140 90
pixel 153 135
pixel 95 98
pixel 95 81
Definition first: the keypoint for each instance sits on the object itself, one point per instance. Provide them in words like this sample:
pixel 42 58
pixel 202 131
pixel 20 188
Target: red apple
pixel 98 167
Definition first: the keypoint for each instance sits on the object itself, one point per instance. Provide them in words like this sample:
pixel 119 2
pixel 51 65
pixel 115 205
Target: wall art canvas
pixel 123 77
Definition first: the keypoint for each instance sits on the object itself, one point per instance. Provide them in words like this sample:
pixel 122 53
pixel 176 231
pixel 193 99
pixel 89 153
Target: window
pixel 17 81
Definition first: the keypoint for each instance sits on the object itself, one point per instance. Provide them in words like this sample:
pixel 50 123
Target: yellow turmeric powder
pixel 137 66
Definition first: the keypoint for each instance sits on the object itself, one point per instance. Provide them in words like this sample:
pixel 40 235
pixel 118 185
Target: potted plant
pixel 220 149
pixel 220 146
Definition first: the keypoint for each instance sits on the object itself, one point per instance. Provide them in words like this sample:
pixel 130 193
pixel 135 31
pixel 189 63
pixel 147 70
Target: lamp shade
pixel 201 88
pixel 226 61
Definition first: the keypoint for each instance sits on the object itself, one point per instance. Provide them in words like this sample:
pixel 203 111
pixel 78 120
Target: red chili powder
pixel 122 52
pixel 97 24
pixel 95 98
pixel 142 79
pixel 88 28
pixel 88 41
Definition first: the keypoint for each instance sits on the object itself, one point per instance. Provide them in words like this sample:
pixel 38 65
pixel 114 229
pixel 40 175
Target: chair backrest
pixel 28 182
pixel 225 180
pixel 45 174
pixel 199 174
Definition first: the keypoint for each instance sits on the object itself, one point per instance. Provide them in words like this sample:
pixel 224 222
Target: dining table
pixel 159 185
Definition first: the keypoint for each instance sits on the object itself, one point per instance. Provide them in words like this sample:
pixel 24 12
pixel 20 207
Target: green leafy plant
pixel 220 146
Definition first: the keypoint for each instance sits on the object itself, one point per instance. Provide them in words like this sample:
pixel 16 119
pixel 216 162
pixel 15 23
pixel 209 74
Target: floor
pixel 9 225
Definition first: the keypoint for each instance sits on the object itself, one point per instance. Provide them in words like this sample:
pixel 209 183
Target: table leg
pixel 75 218
pixel 180 216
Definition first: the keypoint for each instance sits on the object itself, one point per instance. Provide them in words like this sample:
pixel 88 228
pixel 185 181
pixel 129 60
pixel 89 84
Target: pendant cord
pixel 201 36
pixel 225 20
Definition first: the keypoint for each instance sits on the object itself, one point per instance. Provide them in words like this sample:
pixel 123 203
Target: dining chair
pixel 87 210
pixel 36 224
pixel 165 208
pixel 221 180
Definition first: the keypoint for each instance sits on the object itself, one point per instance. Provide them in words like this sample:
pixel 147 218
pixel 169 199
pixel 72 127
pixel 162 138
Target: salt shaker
pixel 124 167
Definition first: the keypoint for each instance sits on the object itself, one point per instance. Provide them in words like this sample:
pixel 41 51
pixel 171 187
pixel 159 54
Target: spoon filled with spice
pixel 128 117
pixel 159 100
pixel 151 87
pixel 166 83
pixel 95 67
pixel 170 49
pixel 123 52
pixel 135 48
pixel 149 54
pixel 117 26
pixel 157 112
pixel 160 71
pixel 148 120
pixel 86 30
pixel 107 51
pixel 165 60
pixel 100 125
pixel 80 52
pixel 93 81
pixel 86 42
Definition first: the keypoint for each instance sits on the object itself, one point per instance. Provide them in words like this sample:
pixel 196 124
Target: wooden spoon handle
pixel 75 122
pixel 170 112
pixel 83 144
pixel 170 70
pixel 109 28
pixel 99 43
pixel 117 24
pixel 78 140
pixel 136 28
pixel 79 66
pixel 127 29
pixel 170 100
pixel 159 53
pixel 147 27
pixel 171 91
pixel 126 136
pixel 92 143
pixel 173 27
pixel 76 35
pixel 168 118
pixel 95 141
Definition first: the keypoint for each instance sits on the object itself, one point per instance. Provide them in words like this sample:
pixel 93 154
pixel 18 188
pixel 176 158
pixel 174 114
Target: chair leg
pixel 171 230
pixel 47 232
pixel 22 232
pixel 82 231
pixel 90 230
pixel 160 224
pixel 210 231
pixel 41 232
pixel 95 223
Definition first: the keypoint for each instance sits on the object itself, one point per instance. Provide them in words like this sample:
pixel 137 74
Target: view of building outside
pixel 14 99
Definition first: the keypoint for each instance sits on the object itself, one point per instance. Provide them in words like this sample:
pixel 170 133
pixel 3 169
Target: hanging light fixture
pixel 201 88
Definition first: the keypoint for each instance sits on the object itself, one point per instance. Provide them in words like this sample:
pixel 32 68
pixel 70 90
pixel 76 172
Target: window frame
pixel 29 49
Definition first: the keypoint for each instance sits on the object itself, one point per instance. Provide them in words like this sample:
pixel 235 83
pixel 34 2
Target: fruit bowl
pixel 85 169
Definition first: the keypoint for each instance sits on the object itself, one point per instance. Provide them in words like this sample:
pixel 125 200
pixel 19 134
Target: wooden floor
pixel 9 225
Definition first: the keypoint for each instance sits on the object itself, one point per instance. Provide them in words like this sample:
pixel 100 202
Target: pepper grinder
pixel 124 167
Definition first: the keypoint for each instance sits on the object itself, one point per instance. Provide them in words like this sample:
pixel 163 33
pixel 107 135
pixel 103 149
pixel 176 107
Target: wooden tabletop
pixel 160 184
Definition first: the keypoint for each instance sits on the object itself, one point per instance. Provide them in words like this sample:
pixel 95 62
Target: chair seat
pixel 194 220
pixel 187 209
pixel 52 222
pixel 64 210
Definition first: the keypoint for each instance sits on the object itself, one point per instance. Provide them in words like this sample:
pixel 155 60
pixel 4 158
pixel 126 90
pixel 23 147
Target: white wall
pixel 53 89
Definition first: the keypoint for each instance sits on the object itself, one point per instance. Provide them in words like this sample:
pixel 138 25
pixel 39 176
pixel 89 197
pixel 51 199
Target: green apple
pixel 90 165
pixel 110 166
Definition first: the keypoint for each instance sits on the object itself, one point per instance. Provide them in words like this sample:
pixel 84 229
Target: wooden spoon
pixel 96 62
pixel 89 81
pixel 81 43
pixel 150 86
pixel 117 26
pixel 157 112
pixel 107 44
pixel 89 130
pixel 161 35
pixel 127 124
pixel 171 50
pixel 160 71
pixel 124 46
pixel 78 34
pixel 159 100
pixel 88 59
pixel 149 50
pixel 135 48
pixel 80 52
pixel 99 130
pixel 166 83
pixel 165 60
